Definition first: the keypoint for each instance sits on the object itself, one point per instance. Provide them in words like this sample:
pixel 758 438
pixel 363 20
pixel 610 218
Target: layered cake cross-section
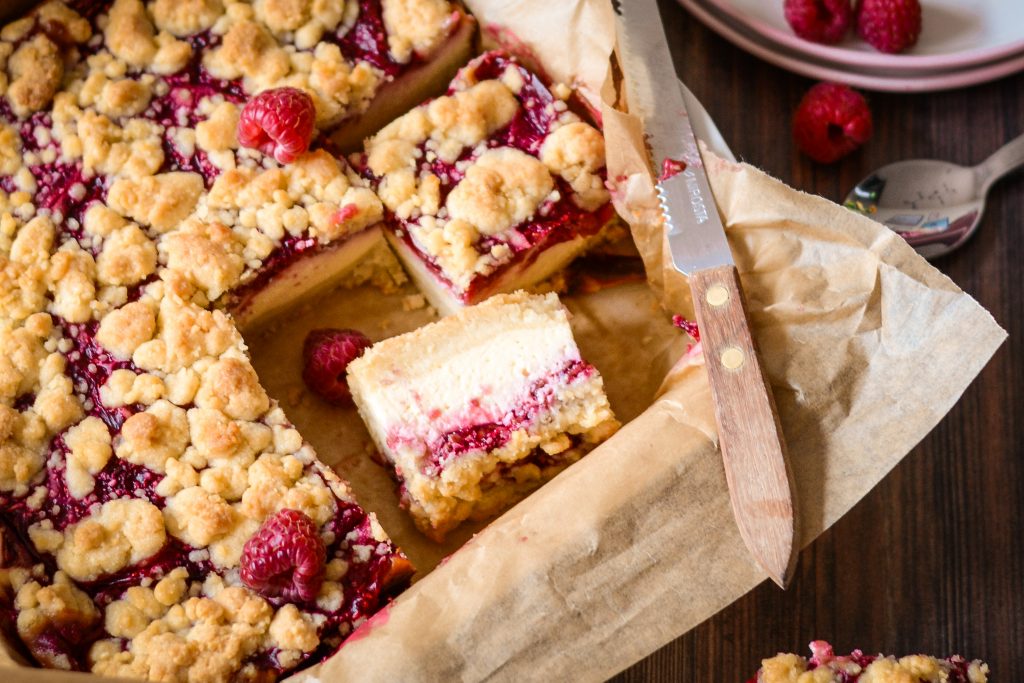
pixel 492 187
pixel 480 408
pixel 824 666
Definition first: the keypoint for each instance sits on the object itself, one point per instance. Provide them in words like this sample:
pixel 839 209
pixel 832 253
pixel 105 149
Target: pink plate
pixel 776 54
pixel 957 34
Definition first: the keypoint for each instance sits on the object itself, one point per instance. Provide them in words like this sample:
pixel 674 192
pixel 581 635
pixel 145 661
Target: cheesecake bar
pixel 824 666
pixel 480 408
pixel 492 187
pixel 160 518
pixel 135 106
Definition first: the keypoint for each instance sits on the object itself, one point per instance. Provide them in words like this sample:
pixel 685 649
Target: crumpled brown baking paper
pixel 636 544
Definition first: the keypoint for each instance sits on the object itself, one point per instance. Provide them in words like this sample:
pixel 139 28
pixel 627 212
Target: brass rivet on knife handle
pixel 753 447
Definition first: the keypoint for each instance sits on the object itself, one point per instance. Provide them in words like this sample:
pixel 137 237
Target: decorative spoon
pixel 934 205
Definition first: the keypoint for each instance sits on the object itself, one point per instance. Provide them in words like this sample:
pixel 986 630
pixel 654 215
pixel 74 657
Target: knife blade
pixel 750 435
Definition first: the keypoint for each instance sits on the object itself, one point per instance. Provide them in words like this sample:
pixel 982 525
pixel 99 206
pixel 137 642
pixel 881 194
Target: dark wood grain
pixel 932 560
pixel 753 447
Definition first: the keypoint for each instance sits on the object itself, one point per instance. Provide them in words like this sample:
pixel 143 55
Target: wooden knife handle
pixel 753 447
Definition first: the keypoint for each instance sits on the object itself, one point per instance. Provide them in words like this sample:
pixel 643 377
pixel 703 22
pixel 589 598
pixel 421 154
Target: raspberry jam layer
pixel 538 399
pixel 555 222
pixel 367 41
pixel 565 222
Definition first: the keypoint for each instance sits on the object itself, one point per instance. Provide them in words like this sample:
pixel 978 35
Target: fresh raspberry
pixel 889 25
pixel 285 558
pixel 327 353
pixel 819 21
pixel 831 121
pixel 278 122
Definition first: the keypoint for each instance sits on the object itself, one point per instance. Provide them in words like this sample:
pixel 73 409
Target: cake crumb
pixel 413 302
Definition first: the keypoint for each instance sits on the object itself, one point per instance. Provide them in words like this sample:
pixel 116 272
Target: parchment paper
pixel 636 544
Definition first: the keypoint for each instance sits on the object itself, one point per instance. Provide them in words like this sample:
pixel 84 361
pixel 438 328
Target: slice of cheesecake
pixel 492 187
pixel 824 666
pixel 480 408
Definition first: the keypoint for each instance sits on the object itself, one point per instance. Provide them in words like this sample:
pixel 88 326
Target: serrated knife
pixel 750 436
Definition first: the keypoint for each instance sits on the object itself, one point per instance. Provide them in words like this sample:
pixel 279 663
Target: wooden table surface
pixel 932 560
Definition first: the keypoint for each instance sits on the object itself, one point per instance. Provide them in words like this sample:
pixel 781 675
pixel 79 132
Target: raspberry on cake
pixel 825 666
pixel 278 122
pixel 492 187
pixel 480 408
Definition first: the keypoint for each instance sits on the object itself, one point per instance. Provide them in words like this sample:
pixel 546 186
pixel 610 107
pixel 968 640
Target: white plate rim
pixel 773 55
pixel 905 62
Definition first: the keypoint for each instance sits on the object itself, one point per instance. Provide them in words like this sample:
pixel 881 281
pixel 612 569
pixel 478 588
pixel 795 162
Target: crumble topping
pixel 35 71
pixel 153 436
pixel 185 17
pixel 469 175
pixel 230 386
pixel 131 37
pixel 127 617
pixel 18 466
pixel 22 288
pixel 308 19
pixel 33 242
pixel 24 354
pixel 110 92
pixel 199 517
pixel 501 189
pixel 56 402
pixel 207 255
pixel 128 257
pixel 71 279
pixel 218 438
pixel 134 150
pixel 62 21
pixel 125 329
pixel 59 606
pixel 89 449
pixel 125 387
pixel 825 667
pixel 158 201
pixel 10 150
pixel 249 50
pixel 575 151
pixel 219 132
pixel 415 26
pixel 452 122
pixel 204 637
pixel 100 221
pixel 122 533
